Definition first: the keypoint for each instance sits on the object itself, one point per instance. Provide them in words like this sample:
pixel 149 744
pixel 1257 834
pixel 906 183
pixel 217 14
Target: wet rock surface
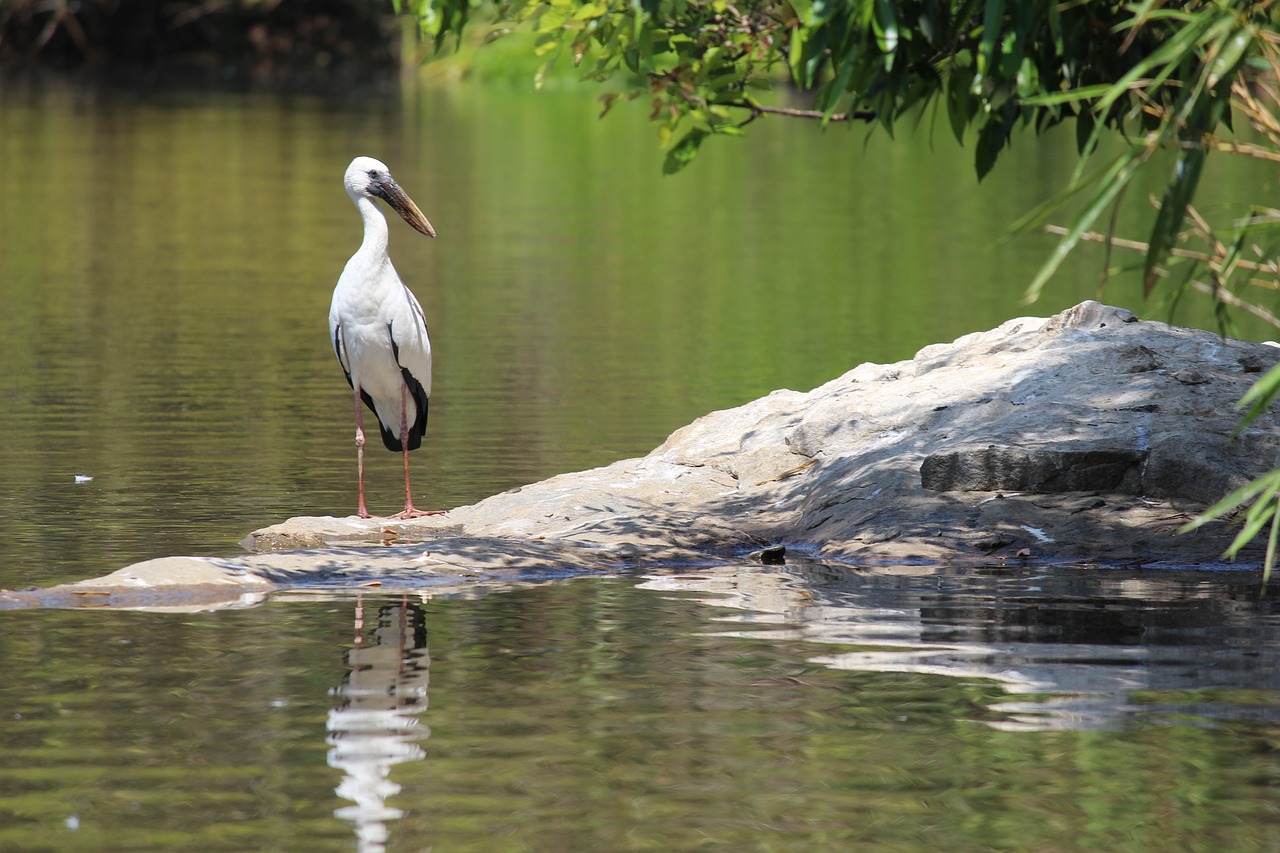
pixel 1088 436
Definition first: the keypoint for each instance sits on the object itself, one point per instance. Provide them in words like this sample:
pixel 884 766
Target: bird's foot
pixel 414 512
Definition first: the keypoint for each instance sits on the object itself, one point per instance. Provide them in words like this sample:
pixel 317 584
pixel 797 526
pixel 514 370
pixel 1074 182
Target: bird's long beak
pixel 404 206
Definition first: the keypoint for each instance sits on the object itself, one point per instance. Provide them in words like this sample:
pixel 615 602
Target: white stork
pixel 378 330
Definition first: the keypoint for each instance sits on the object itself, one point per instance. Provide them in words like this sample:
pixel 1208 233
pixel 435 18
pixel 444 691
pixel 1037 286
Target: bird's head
pixel 370 178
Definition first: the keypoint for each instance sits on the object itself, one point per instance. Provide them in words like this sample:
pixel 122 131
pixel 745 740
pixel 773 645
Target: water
pixel 166 262
pixel 599 715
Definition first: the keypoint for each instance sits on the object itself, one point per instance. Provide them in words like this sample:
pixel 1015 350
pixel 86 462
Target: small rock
pixel 1254 363
pixel 775 555
pixel 1085 505
pixel 992 541
pixel 1191 376
pixel 1141 359
pixel 884 534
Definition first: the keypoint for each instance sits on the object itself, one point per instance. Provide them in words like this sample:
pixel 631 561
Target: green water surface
pixel 581 715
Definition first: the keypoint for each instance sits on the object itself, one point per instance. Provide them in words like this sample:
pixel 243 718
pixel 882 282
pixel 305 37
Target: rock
pixel 774 555
pixel 1087 436
pixel 1191 376
pixel 175 584
pixel 1131 421
pixel 323 531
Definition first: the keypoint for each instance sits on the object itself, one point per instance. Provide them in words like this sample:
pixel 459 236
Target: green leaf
pixel 991 139
pixel 961 104
pixel 1086 134
pixel 1248 492
pixel 683 152
pixel 821 11
pixel 1028 77
pixel 1173 210
pixel 929 23
pixel 802 8
pixel 798 58
pixel 1229 56
pixel 1115 179
pixel 1039 214
pixel 1260 512
pixel 1071 96
pixel 1055 29
pixel 886 29
pixel 992 15
pixel 1168 57
pixel 1259 397
pixel 1270 560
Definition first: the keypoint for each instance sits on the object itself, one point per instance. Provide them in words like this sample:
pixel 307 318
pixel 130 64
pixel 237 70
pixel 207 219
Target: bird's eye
pixel 373 173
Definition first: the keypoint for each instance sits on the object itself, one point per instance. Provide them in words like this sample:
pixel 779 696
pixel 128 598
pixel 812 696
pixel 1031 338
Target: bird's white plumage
pixel 372 310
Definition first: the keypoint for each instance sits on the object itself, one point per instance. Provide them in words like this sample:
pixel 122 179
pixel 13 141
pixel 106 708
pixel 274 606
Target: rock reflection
pixel 377 726
pixel 1074 649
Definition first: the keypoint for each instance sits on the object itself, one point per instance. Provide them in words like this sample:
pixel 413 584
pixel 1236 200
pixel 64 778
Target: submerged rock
pixel 1089 436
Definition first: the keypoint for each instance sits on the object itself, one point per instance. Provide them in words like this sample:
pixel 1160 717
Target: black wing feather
pixel 419 395
pixel 390 437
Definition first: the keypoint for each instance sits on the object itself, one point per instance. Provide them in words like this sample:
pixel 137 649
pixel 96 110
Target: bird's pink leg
pixel 361 511
pixel 410 511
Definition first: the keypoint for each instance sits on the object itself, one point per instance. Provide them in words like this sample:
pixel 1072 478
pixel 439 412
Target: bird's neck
pixel 375 228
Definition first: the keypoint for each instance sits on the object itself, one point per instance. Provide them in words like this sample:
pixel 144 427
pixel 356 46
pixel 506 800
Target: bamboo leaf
pixel 992 15
pixel 1071 96
pixel 1229 55
pixel 1109 186
pixel 1262 512
pixel 1039 214
pixel 1244 494
pixel 1259 397
pixel 1168 56
pixel 886 28
pixel 1270 560
pixel 991 139
pixel 1173 209
pixel 961 104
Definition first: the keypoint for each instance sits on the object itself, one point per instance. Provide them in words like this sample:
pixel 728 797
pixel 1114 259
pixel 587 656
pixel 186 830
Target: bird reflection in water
pixel 377 725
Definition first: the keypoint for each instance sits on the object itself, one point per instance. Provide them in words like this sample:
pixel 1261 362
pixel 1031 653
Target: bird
pixel 378 330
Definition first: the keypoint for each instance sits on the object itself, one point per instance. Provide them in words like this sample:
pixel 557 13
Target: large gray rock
pixel 1089 436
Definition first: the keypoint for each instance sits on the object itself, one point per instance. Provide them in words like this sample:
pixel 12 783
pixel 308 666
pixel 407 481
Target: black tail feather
pixel 418 399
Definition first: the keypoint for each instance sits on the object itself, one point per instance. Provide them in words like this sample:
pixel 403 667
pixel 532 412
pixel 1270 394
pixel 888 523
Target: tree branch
pixel 791 112
pixel 1269 267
